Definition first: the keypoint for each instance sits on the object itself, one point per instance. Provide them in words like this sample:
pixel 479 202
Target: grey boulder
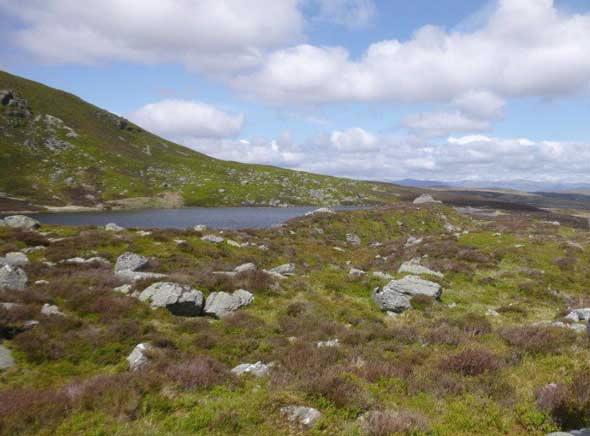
pixel 14 259
pixel 12 278
pixel 112 227
pixel 257 369
pixel 284 270
pixel 220 304
pixel 579 315
pixel 51 310
pixel 426 199
pixel 300 415
pixel 179 299
pixel 139 357
pixel 213 238
pixel 396 296
pixel 6 359
pixel 130 262
pixel 21 222
pixel 246 267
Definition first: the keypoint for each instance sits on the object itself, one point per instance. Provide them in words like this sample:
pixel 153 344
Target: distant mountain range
pixel 516 184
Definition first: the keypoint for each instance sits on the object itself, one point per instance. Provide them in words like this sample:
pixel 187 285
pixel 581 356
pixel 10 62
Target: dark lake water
pixel 215 217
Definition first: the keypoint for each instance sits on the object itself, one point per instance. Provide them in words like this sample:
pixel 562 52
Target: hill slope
pixel 56 150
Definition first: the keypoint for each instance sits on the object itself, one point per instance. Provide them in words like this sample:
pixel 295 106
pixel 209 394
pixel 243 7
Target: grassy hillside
pixel 488 358
pixel 56 149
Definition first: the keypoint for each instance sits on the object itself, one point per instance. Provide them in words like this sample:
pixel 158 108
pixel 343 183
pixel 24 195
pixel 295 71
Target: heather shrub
pixel 538 339
pixel 388 422
pixel 472 362
pixel 340 389
pixel 472 324
pixel 197 372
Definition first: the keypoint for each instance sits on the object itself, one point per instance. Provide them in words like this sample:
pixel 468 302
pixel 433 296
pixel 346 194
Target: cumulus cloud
pixel 176 119
pixel 443 123
pixel 353 140
pixel 525 48
pixel 206 34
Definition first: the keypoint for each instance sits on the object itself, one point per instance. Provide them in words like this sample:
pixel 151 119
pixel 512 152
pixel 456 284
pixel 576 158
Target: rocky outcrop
pixel 14 259
pixel 179 299
pixel 21 222
pixel 415 267
pixel 257 369
pixel 139 357
pixel 12 278
pixel 397 295
pixel 300 415
pixel 426 199
pixel 220 304
pixel 6 359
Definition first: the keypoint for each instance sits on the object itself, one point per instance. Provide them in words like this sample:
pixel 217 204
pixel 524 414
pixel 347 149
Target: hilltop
pixel 58 150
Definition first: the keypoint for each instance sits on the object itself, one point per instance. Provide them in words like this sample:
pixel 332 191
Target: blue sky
pixel 372 89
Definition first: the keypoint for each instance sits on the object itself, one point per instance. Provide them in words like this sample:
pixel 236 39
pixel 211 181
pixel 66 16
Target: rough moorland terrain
pixel 57 150
pixel 403 320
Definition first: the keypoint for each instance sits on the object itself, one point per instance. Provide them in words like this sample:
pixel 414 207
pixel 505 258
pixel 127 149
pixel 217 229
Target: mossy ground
pixel 459 370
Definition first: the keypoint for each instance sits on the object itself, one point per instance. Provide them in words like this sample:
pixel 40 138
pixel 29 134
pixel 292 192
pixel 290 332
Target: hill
pixel 58 150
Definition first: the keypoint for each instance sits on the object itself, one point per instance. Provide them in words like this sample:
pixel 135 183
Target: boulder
pixel 321 211
pixel 139 357
pixel 130 262
pixel 81 261
pixel 179 299
pixel 200 228
pixel 284 270
pixel 579 315
pixel 12 278
pixel 213 238
pixel 51 310
pixel 426 199
pixel 246 267
pixel 6 359
pixel 300 415
pixel 412 240
pixel 331 343
pixel 353 239
pixel 220 304
pixel 22 222
pixel 124 289
pixel 396 296
pixel 112 227
pixel 257 369
pixel 135 276
pixel 414 267
pixel 14 259
pixel 356 273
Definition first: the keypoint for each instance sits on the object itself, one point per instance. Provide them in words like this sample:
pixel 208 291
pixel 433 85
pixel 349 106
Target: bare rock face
pixel 12 278
pixel 21 222
pixel 397 295
pixel 180 300
pixel 220 304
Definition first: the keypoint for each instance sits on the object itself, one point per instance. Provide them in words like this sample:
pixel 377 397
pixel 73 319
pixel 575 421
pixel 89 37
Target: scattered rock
pixel 180 300
pixel 320 211
pixel 284 270
pixel 213 238
pixel 14 259
pixel 139 357
pixel 328 344
pixel 300 415
pixel 6 359
pixel 396 296
pixel 22 222
pixel 112 227
pixel 414 267
pixel 12 278
pixel 51 310
pixel 200 228
pixel 353 239
pixel 257 369
pixel 246 267
pixel 426 199
pixel 220 304
pixel 356 273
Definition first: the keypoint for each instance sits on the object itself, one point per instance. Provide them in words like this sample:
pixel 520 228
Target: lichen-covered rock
pixel 397 295
pixel 220 304
pixel 22 222
pixel 415 267
pixel 257 369
pixel 12 278
pixel 179 299
pixel 300 415
pixel 6 359
pixel 14 259
pixel 139 357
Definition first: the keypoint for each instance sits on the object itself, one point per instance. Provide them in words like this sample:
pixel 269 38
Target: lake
pixel 215 217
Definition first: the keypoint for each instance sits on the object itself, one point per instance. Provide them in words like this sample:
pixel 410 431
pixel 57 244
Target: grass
pixel 438 368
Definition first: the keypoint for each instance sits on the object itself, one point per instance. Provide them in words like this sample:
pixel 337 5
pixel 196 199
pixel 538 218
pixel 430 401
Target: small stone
pixel 332 343
pixel 200 228
pixel 14 259
pixel 321 211
pixel 353 239
pixel 124 289
pixel 213 238
pixel 300 415
pixel 412 240
pixel 426 199
pixel 257 369
pixel 356 273
pixel 284 270
pixel 246 267
pixel 51 310
pixel 139 356
pixel 414 267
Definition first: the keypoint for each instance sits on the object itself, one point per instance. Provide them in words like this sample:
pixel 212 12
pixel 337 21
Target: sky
pixel 372 89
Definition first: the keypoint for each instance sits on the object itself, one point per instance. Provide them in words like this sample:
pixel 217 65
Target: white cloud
pixel 443 123
pixel 350 13
pixel 180 118
pixel 525 48
pixel 206 34
pixel 353 140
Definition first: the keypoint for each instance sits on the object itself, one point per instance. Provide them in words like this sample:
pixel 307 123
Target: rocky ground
pixel 411 319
